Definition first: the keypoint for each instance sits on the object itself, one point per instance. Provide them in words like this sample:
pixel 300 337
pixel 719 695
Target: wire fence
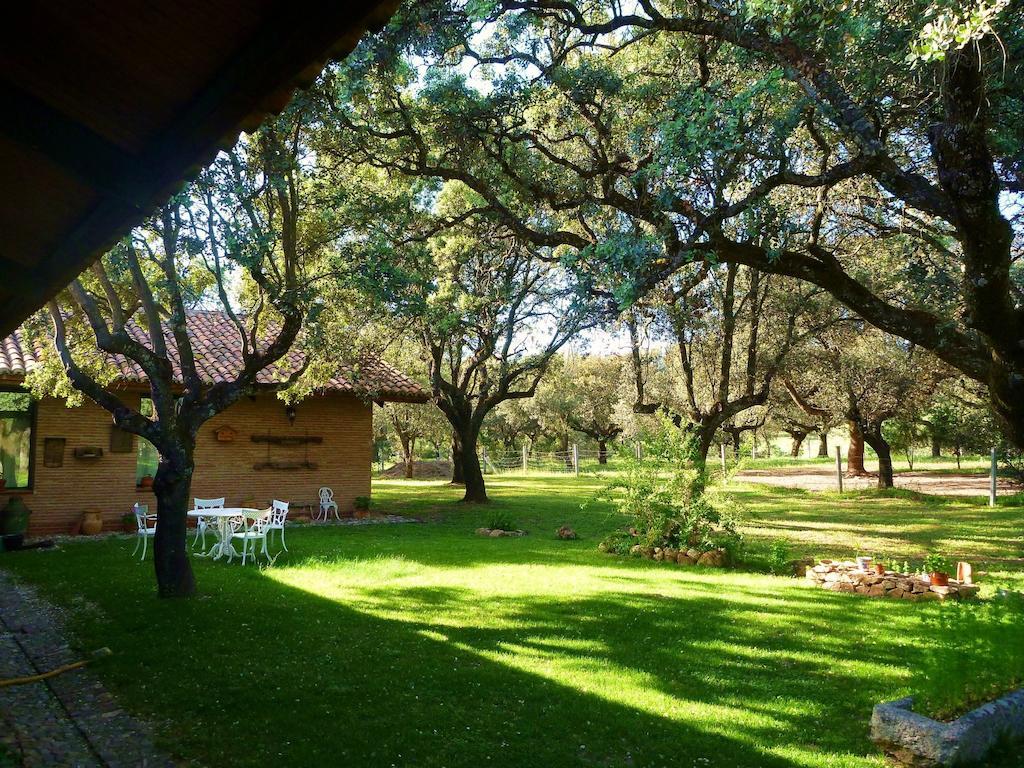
pixel 572 461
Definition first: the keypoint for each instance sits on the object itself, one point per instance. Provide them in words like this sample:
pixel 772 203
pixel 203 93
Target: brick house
pixel 65 460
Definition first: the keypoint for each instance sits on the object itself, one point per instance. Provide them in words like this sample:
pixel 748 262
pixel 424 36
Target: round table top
pixel 224 512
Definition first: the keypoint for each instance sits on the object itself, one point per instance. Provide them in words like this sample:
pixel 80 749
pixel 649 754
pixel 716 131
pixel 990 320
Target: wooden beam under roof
pixel 111 186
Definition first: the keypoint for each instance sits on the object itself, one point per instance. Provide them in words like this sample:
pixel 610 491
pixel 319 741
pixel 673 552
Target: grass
pixel 426 645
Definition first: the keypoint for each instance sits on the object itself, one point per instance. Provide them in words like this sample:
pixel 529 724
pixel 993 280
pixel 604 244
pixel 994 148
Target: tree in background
pixel 246 216
pixel 642 139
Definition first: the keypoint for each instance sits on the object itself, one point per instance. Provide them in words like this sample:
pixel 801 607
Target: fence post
pixel 526 459
pixel 639 451
pixel 839 467
pixel 992 480
pixel 721 452
pixel 753 448
pixel 575 459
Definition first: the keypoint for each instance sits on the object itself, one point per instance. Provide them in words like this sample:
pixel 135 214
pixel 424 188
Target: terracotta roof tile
pixel 218 354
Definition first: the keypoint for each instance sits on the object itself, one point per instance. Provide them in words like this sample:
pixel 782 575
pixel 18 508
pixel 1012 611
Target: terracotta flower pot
pixel 92 522
pixel 939 579
pixel 146 482
pixel 880 569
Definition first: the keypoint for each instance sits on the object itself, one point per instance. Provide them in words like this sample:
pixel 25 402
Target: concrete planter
pixel 913 739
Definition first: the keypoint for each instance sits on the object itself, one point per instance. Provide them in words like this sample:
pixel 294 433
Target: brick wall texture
pixel 60 494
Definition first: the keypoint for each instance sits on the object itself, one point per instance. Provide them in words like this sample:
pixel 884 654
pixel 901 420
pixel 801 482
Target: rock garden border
pixel 848 576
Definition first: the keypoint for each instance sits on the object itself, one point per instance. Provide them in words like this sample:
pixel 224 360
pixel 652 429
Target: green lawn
pixel 425 645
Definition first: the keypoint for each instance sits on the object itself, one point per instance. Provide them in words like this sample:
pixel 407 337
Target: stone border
pixel 70 719
pixel 847 576
pixel 913 739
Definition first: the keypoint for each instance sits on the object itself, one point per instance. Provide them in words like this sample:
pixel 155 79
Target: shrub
pixel 664 497
pixel 935 564
pixel 975 655
pixel 502 522
pixel 619 542
pixel 361 502
pixel 778 557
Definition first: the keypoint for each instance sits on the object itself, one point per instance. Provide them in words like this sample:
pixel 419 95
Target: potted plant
pixel 361 504
pixel 128 523
pixel 936 568
pixel 879 566
pixel 14 522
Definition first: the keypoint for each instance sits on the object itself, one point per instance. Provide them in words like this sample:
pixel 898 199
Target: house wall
pixel 60 494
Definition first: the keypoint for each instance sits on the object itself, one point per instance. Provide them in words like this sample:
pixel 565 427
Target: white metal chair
pixel 327 503
pixel 145 530
pixel 202 523
pixel 278 515
pixel 249 529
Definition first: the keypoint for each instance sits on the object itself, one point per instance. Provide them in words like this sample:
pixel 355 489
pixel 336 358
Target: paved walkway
pixel 67 720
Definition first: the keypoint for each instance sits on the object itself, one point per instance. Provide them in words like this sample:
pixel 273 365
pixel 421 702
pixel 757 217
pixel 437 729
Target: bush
pixel 619 542
pixel 778 557
pixel 361 503
pixel 664 498
pixel 502 522
pixel 976 654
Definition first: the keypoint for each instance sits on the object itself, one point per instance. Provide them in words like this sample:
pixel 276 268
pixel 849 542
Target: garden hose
pixel 98 653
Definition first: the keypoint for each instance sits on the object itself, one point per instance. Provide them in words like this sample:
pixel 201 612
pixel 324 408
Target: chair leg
pixel 281 534
pixel 137 542
pixel 145 539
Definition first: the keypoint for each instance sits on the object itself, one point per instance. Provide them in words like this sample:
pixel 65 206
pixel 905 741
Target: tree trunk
pixel 171 487
pixel 602 451
pixel 823 445
pixel 735 444
pixel 563 447
pixel 798 441
pixel 873 436
pixel 407 458
pixel 458 470
pixel 936 447
pixel 472 472
pixel 855 457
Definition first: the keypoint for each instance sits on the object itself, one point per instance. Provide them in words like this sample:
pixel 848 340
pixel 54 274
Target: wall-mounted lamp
pixel 289 411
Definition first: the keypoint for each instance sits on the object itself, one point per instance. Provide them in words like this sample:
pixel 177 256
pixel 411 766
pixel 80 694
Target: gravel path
pixel 824 479
pixel 67 720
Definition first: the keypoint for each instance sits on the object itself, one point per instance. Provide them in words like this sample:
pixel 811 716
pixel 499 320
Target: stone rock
pixel 671 554
pixel 566 533
pixel 930 596
pixel 636 550
pixel 693 554
pixel 659 553
pixel 889 583
pixel 876 591
pixel 914 739
pixel 483 531
pixel 968 590
pixel 497 533
pixel 684 559
pixel 714 558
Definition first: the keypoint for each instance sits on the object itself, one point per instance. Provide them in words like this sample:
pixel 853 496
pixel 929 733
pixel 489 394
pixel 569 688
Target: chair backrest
pixel 326 495
pixel 209 503
pixel 278 512
pixel 141 516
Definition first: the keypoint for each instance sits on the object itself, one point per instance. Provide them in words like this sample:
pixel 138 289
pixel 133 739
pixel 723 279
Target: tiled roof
pixel 218 354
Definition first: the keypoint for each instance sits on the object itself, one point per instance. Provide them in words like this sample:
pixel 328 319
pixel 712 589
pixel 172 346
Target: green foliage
pixel 778 557
pixel 975 653
pixel 664 497
pixel 935 563
pixel 502 522
pixel 361 503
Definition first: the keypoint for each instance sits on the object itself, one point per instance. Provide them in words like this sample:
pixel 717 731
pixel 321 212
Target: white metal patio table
pixel 223 546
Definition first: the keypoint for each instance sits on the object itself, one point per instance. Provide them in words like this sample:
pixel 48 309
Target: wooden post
pixel 639 451
pixel 992 481
pixel 526 459
pixel 575 459
pixel 721 452
pixel 839 468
